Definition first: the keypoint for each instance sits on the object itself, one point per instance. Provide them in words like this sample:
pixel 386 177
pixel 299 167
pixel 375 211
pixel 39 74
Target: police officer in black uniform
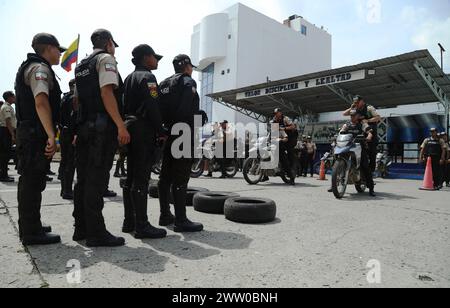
pixel 287 149
pixel 141 108
pixel 37 105
pixel 100 127
pixel 179 104
pixel 356 127
pixel 370 117
pixel 67 134
pixel 434 148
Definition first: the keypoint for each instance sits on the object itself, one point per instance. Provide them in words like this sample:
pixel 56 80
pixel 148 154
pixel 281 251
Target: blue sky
pixel 362 30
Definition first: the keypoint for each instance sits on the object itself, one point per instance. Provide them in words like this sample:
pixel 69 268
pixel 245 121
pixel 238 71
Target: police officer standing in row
pixel 8 125
pixel 67 134
pixel 141 108
pixel 100 127
pixel 434 148
pixel 179 104
pixel 370 117
pixel 38 100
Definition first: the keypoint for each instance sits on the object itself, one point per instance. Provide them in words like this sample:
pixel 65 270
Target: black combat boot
pixel 167 218
pixel 182 223
pixel 41 238
pixel 106 240
pixel 129 224
pixel 144 230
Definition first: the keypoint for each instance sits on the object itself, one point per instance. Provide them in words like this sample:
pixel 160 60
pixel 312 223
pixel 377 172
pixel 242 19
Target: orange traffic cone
pixel 428 180
pixel 323 174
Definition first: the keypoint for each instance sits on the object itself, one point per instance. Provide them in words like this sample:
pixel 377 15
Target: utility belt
pixel 99 122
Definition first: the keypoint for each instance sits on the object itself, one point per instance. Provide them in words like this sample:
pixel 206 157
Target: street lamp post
pixel 442 55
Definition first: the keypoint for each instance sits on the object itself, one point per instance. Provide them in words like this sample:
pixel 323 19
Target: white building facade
pixel 241 47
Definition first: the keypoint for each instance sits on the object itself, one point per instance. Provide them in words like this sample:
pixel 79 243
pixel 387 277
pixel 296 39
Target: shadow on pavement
pixel 221 240
pixel 380 196
pixel 54 259
pixel 176 246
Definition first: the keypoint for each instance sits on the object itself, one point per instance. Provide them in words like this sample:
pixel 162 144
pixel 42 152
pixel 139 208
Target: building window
pixel 229 36
pixel 304 30
pixel 228 71
pixel 207 88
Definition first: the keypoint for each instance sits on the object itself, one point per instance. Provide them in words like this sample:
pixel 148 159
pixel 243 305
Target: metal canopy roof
pixel 411 78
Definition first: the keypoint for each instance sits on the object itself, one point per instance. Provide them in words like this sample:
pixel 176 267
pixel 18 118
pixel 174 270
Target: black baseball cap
pixel 145 50
pixel 102 35
pixel 182 60
pixel 47 39
pixel 357 98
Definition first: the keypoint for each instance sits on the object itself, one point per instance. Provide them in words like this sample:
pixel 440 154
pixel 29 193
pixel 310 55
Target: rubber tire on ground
pixel 212 202
pixel 191 192
pixel 250 210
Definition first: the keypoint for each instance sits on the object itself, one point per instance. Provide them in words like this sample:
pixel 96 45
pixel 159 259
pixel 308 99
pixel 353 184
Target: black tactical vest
pixel 89 96
pixel 374 126
pixel 433 148
pixel 292 134
pixel 25 103
pixel 171 92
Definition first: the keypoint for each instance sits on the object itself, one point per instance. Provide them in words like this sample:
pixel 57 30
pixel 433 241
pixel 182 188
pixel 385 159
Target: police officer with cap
pixel 434 148
pixel 179 105
pixel 8 125
pixel 143 119
pixel 100 128
pixel 37 105
pixel 357 127
pixel 371 117
pixel 287 149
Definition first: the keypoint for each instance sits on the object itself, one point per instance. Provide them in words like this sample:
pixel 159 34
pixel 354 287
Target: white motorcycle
pixel 347 165
pixel 260 165
pixel 208 148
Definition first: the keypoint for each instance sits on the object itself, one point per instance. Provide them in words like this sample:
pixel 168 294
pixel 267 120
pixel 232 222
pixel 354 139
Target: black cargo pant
pixel 5 151
pixel 288 159
pixel 372 153
pixel 95 149
pixel 32 167
pixel 140 159
pixel 437 170
pixel 366 172
pixel 175 176
pixel 67 167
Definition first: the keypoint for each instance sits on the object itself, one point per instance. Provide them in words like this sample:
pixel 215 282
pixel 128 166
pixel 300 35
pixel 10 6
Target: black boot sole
pixel 149 236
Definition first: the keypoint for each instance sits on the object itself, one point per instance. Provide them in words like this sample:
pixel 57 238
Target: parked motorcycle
pixel 208 148
pixel 258 165
pixel 383 164
pixel 346 169
pixel 329 161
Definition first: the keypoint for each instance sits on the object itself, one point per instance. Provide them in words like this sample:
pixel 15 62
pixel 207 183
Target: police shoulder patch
pixel 110 67
pixel 41 76
pixel 153 87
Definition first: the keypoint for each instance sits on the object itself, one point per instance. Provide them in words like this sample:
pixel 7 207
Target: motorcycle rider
pixel 287 146
pixel 357 127
pixel 371 117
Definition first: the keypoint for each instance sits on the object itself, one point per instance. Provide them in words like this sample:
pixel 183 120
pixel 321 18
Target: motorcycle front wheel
pixel 232 169
pixel 198 168
pixel 339 184
pixel 252 171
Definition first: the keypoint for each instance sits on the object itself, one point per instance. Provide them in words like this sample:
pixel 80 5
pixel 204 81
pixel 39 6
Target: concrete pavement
pixel 317 241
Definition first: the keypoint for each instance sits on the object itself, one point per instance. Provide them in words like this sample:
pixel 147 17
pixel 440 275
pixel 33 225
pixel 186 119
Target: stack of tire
pixel 236 208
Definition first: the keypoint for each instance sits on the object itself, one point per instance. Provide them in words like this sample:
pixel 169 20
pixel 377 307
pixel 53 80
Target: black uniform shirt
pixel 141 98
